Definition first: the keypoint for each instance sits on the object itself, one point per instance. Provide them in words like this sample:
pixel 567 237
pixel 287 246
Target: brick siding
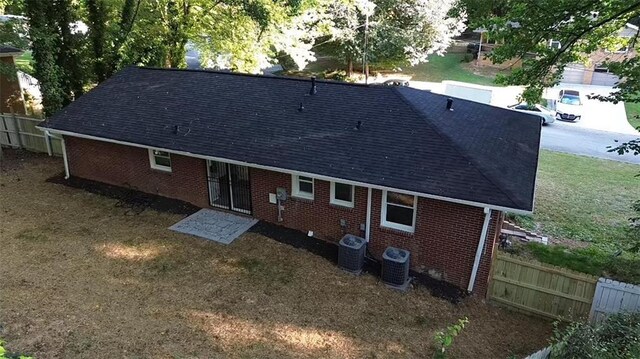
pixel 444 242
pixel 129 167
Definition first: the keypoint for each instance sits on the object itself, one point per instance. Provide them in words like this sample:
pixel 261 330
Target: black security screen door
pixel 229 186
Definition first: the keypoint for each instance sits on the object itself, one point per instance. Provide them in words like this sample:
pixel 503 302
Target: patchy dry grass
pixel 80 279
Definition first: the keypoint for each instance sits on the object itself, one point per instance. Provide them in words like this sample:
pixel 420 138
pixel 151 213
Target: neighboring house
pixel 591 73
pixel 11 96
pixel 393 165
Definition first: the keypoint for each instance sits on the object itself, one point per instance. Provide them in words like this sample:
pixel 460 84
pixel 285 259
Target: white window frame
pixel 552 42
pixel 154 165
pixel 393 225
pixel 339 202
pixel 295 187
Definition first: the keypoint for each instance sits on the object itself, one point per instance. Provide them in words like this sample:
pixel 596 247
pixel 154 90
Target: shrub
pixel 468 58
pixel 616 337
pixel 444 338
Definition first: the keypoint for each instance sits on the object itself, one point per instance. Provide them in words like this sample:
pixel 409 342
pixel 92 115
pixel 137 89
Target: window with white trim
pixel 302 186
pixel 555 44
pixel 341 194
pixel 399 211
pixel 160 160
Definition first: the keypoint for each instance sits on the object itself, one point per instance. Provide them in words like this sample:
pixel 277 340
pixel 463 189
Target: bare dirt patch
pixel 82 279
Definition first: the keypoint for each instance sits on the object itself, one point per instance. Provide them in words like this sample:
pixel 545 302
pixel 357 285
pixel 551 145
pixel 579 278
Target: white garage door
pixel 573 74
pixel 604 79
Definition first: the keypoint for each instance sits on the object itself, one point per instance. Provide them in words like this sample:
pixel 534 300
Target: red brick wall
pixel 445 238
pixel 317 215
pixel 129 167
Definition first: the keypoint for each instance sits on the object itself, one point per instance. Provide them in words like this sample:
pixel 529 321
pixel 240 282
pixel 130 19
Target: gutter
pixel 284 170
pixel 481 244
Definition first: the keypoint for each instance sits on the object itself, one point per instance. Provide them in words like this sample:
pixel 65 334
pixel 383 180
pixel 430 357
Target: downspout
pixel 367 230
pixel 483 240
pixel 64 157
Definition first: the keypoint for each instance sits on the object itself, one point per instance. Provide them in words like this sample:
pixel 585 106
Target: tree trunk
pixel 349 66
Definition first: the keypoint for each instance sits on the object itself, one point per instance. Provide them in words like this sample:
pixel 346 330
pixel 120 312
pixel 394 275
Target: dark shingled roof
pixel 5 49
pixel 408 139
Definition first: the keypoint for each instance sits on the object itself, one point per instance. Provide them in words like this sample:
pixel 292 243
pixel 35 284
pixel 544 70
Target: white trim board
pixel 289 171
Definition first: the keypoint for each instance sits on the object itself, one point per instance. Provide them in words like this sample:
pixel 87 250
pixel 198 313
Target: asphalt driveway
pixel 565 137
pixel 597 115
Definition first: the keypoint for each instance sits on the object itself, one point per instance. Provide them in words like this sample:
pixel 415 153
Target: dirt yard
pixel 79 278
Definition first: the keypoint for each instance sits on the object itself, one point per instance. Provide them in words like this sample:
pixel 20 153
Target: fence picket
pixel 21 132
pixel 613 297
pixel 541 289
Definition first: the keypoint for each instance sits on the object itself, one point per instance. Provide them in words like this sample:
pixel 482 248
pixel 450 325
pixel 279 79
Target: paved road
pixel 564 137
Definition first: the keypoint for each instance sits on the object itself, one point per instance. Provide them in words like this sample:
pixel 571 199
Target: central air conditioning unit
pixel 395 268
pixel 351 253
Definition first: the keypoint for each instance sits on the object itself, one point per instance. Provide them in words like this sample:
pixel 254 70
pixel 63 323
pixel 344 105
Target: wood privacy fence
pixel 21 132
pixel 613 297
pixel 541 289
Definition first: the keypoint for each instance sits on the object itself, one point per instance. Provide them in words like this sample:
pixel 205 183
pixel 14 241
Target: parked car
pixel 569 105
pixel 396 82
pixel 548 116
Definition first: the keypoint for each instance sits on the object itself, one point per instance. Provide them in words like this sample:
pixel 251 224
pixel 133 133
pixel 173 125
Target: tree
pixel 178 24
pixel 398 32
pixel 70 50
pixel 581 27
pixel 97 17
pixel 45 43
pixel 247 36
pixel 479 9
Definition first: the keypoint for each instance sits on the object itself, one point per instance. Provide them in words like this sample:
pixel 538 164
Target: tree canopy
pixel 78 43
pixel 579 26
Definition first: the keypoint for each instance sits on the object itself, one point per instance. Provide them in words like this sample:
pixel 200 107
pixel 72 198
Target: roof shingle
pixel 407 139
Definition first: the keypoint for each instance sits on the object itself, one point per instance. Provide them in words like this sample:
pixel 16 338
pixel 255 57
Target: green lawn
pixel 24 62
pixel 588 200
pixel 449 67
pixel 633 113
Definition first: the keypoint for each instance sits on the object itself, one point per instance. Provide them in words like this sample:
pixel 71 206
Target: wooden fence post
pixel 16 124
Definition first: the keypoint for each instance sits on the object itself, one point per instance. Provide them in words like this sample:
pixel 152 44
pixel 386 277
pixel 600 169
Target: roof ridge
pixel 455 144
pixel 245 74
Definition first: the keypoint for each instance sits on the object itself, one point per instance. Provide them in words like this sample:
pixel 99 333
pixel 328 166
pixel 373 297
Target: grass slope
pixel 585 199
pixel 633 113
pixel 448 67
pixel 24 62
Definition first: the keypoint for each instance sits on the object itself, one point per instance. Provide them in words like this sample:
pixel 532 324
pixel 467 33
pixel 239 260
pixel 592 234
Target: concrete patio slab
pixel 218 226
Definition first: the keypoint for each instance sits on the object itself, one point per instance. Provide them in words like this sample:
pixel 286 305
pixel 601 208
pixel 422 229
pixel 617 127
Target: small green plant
pixel 6 355
pixel 444 338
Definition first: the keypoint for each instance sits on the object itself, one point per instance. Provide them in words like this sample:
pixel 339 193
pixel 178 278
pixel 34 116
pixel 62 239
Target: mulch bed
pixel 329 251
pixel 135 201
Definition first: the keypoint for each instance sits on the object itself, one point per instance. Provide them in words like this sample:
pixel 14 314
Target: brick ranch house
pixel 393 165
